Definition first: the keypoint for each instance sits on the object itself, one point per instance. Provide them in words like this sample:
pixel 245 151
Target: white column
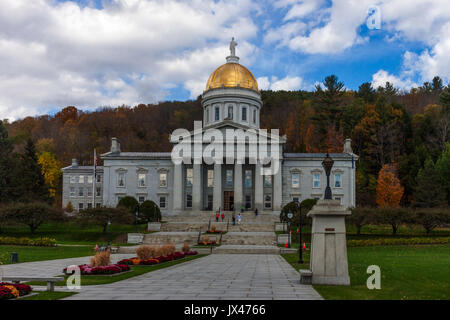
pixel 277 186
pixel 217 193
pixel 237 186
pixel 178 187
pixel 197 188
pixel 259 188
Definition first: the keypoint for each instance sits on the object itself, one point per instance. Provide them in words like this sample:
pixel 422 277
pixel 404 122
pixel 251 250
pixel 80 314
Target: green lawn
pixel 74 233
pixel 46 295
pixel 407 272
pixel 135 271
pixel 30 253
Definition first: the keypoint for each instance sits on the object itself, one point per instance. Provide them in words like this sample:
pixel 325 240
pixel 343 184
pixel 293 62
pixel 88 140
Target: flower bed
pixel 206 243
pixel 86 269
pixel 13 290
pixel 136 261
pixel 41 242
pixel 398 241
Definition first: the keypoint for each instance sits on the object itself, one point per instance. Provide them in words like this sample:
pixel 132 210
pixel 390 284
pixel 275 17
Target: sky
pixel 94 53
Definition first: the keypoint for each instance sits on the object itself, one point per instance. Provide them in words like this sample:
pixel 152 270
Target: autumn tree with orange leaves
pixel 389 189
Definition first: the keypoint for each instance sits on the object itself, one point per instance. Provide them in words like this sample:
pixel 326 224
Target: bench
pixel 305 276
pixel 50 280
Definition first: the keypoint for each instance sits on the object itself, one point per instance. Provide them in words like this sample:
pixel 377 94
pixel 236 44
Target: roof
pixel 320 155
pixel 140 155
pixel 82 168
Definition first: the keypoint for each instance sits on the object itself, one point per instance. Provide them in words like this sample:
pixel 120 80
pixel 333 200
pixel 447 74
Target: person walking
pixel 217 216
pixel 256 212
pixel 233 218
pixel 223 216
pixel 239 218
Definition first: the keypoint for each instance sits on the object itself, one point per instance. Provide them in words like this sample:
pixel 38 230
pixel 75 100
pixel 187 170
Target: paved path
pixel 215 277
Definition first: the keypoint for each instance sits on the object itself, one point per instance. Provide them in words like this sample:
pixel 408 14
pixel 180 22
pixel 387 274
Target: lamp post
pixel 327 164
pixel 289 215
pixel 109 233
pixel 300 249
pixel 137 214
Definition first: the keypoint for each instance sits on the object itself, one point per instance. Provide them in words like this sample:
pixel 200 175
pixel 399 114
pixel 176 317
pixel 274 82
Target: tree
pixel 69 207
pixel 431 218
pixel 392 216
pixel 361 216
pixel 443 170
pixel 103 215
pixel 32 214
pixel 429 191
pixel 150 211
pixel 6 165
pixel 129 203
pixel 32 185
pixel 389 189
pixel 366 92
pixel 294 207
pixel 51 169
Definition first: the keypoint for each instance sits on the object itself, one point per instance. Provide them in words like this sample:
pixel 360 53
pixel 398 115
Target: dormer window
pixel 217 113
pixel 230 112
pixel 244 114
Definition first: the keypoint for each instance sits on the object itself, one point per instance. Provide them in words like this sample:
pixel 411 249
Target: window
pixel 141 179
pixel 141 199
pixel 267 201
pixel 89 179
pixel 80 191
pixel 72 179
pixel 89 205
pixel 89 192
pixel 295 180
pixel 339 199
pixel 254 116
pixel 217 113
pixel 316 180
pixel 72 191
pixel 163 179
pixel 98 205
pixel 162 202
pixel 248 202
pixel 189 200
pixel 267 181
pixel 99 178
pixel 248 178
pixel 210 178
pixel 121 179
pixel 189 177
pixel 229 178
pixel 98 191
pixel 81 179
pixel 210 202
pixel 230 112
pixel 80 206
pixel 207 115
pixel 295 199
pixel 244 114
pixel 337 180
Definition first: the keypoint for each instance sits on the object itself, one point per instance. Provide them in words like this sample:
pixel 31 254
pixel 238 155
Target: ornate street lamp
pixel 300 249
pixel 327 164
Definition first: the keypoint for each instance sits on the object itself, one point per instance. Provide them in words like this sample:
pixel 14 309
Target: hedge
pixel 397 241
pixel 41 242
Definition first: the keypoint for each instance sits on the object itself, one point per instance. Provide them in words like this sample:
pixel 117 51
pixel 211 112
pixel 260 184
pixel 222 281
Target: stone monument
pixel 329 264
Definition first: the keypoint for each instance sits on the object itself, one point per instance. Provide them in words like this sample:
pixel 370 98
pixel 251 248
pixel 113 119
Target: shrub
pixel 213 228
pixel 361 216
pixel 150 212
pixel 431 218
pixel 186 247
pixel 101 216
pixel 101 259
pixel 23 289
pixel 397 241
pixel 69 208
pixel 293 207
pixel 129 203
pixel 145 252
pixel 42 242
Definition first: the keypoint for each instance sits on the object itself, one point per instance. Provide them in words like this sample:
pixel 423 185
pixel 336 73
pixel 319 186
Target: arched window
pixel 230 112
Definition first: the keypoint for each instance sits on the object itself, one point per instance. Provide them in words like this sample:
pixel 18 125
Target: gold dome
pixel 230 75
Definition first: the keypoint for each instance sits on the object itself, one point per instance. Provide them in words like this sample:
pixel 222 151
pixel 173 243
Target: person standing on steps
pixel 239 218
pixel 233 218
pixel 256 212
pixel 223 216
pixel 217 216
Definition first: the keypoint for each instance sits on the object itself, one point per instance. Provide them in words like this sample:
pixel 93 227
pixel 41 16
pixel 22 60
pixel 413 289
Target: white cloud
pixel 380 78
pixel 275 84
pixel 56 54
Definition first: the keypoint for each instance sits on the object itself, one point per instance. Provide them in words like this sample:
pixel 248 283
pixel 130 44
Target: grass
pixel 407 272
pixel 46 295
pixel 135 271
pixel 74 233
pixel 30 253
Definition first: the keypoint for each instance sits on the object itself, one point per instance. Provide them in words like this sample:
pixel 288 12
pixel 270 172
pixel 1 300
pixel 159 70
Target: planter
pixel 135 238
pixel 283 239
pixel 154 226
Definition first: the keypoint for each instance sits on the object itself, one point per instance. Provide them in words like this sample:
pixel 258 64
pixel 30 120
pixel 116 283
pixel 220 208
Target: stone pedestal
pixel 329 264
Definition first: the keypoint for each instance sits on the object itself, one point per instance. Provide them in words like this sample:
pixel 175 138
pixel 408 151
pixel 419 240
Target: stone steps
pixel 247 249
pixel 249 238
pixel 223 226
pixel 246 217
pixel 171 237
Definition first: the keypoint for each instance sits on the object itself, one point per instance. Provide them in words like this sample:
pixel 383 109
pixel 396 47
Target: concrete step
pixel 246 217
pixel 223 226
pixel 249 238
pixel 247 249
pixel 171 237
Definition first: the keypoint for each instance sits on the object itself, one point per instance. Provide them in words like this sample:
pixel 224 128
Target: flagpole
pixel 94 179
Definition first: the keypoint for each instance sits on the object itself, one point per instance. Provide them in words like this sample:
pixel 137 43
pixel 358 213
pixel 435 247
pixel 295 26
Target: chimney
pixel 348 146
pixel 115 145
pixel 74 163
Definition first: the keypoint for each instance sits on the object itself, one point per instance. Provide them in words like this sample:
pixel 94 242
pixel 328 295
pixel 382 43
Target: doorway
pixel 228 200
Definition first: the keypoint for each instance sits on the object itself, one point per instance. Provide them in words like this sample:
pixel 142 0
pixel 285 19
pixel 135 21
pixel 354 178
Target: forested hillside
pixel 399 131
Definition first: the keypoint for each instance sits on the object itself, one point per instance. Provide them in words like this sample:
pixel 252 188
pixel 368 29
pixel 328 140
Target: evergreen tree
pixel 366 92
pixel 32 186
pixel 429 191
pixel 6 165
pixel 443 170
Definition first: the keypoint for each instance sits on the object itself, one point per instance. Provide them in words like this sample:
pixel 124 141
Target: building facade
pixel 231 102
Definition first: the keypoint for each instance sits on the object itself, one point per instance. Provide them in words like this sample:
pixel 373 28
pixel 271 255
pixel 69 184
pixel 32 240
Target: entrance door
pixel 228 200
